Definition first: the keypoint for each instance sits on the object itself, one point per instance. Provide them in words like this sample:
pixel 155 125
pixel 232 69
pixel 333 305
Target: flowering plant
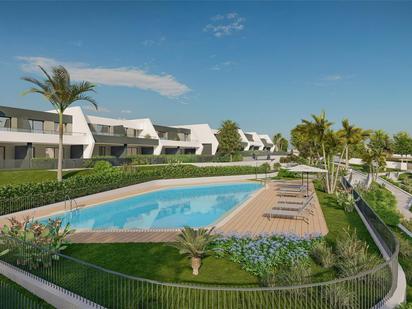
pixel 261 254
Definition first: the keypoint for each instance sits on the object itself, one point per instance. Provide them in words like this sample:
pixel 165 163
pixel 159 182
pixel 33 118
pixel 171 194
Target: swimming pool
pixel 194 206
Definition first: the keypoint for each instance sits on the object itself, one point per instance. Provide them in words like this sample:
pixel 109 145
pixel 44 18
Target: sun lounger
pixel 306 206
pixel 299 202
pixel 299 188
pixel 287 214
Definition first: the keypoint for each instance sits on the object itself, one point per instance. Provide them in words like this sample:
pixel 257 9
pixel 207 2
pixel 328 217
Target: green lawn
pixel 160 262
pixel 24 176
pixel 337 220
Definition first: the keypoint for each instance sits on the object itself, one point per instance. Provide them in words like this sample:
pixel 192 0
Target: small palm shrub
pixel 345 200
pixel 352 255
pixel 322 254
pixel 194 243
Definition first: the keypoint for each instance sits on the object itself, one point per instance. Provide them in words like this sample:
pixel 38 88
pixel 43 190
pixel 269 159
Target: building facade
pixel 27 134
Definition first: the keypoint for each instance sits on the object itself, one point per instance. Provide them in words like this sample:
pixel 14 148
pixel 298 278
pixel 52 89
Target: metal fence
pixel 111 289
pixel 12 297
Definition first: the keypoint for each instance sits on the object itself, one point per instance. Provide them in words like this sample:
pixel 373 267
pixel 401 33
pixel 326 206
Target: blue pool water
pixel 194 206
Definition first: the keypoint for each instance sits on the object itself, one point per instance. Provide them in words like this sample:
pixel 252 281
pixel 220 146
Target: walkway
pixel 403 198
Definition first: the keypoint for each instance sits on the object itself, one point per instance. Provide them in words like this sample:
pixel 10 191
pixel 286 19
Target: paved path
pixel 403 198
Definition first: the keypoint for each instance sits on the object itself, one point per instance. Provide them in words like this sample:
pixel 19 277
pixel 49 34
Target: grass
pixel 337 220
pixel 160 262
pixel 25 293
pixel 14 177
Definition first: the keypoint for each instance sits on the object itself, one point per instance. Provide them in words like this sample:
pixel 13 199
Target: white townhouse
pixel 27 134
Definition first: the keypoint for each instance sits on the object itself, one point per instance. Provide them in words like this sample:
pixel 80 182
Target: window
pixel 2 153
pixel 5 122
pixel 162 135
pixel 52 152
pixel 102 151
pixel 36 125
pixel 101 129
pixel 132 151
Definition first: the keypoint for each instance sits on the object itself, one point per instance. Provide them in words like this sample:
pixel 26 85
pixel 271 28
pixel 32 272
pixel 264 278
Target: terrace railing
pixel 369 289
pixel 11 297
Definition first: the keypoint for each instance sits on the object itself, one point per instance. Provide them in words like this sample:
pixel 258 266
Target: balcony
pixel 34 131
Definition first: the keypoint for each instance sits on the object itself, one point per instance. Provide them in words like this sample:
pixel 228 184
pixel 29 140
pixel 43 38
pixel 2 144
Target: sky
pixel 265 65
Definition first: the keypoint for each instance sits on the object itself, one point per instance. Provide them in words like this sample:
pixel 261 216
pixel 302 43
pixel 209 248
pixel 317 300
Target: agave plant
pixel 194 243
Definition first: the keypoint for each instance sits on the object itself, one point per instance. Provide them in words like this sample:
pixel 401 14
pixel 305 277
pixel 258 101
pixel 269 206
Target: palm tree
pixel 194 244
pixel 320 128
pixel 276 140
pixel 351 135
pixel 61 92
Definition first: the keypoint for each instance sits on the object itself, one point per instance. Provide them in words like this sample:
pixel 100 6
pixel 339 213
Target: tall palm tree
pixel 351 135
pixel 320 126
pixel 276 140
pixel 58 89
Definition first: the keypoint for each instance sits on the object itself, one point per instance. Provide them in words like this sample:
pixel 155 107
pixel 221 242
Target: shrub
pixel 405 249
pixel 383 202
pixel 102 166
pixel 51 236
pixel 294 274
pixel 283 173
pixel 322 254
pixel 345 200
pixel 352 255
pixel 29 195
pixel 263 254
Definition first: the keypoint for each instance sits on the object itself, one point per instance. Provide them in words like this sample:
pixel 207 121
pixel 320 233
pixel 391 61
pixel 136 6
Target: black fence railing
pixel 386 238
pixel 369 289
pixel 12 297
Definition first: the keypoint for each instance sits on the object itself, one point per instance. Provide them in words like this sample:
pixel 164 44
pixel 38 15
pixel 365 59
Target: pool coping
pixel 141 188
pixel 217 223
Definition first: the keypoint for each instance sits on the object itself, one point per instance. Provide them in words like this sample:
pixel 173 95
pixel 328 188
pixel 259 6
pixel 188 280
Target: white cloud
pixel 148 43
pixel 225 25
pixel 226 65
pixel 333 77
pixel 165 84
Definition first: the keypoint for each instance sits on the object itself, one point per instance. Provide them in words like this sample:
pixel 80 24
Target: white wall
pixel 204 135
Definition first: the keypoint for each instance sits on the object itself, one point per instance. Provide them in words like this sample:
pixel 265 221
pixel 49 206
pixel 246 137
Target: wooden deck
pixel 247 219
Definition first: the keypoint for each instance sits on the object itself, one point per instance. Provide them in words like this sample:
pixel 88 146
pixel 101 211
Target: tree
pixel 351 136
pixel 281 143
pixel 402 144
pixel 194 244
pixel 58 89
pixel 378 148
pixel 301 139
pixel 229 138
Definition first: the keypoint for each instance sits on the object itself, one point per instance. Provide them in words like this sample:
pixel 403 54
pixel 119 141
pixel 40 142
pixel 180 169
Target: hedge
pixel 28 195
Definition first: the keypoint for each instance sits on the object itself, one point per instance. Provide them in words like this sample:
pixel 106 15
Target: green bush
pixel 102 166
pixel 322 254
pixel 29 195
pixel 283 173
pixel 383 202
